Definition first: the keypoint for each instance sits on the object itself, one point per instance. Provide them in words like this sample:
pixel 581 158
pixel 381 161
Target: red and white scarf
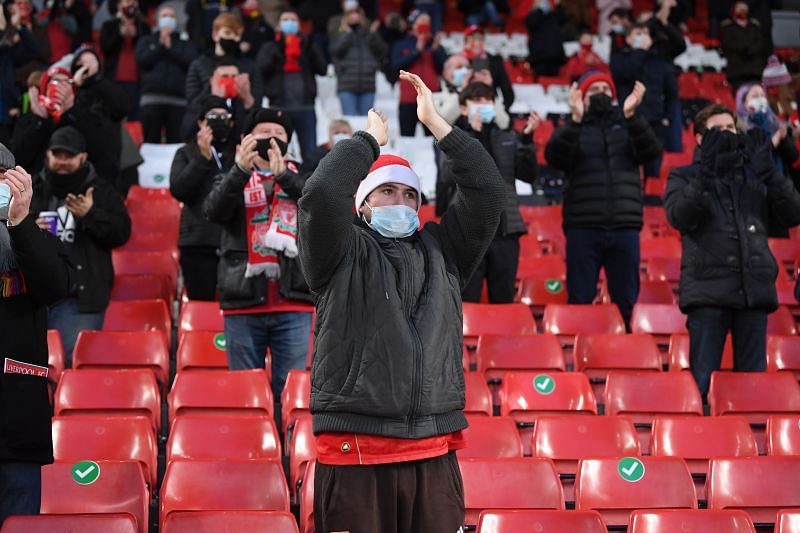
pixel 271 229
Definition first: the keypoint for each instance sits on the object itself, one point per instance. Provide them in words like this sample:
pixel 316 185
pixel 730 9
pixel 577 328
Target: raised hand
pixel 19 183
pixel 634 99
pixel 534 121
pixel 36 107
pixel 377 126
pixel 575 101
pixel 81 204
pixel 276 163
pixel 426 108
pixel 246 152
pixel 205 137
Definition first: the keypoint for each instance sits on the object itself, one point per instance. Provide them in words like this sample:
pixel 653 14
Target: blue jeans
pixel 356 104
pixel 20 489
pixel 489 12
pixel 285 334
pixel 615 250
pixel 304 120
pixel 708 327
pixel 65 317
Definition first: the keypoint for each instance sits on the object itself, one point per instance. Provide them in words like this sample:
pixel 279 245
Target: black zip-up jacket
pixel 357 55
pixel 224 205
pixel 600 158
pixel 25 433
pixel 105 227
pixel 163 70
pixel 720 204
pixel 271 60
pixel 387 355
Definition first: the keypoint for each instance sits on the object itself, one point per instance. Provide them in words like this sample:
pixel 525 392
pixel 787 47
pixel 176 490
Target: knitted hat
pixel 387 169
pixel 775 73
pixel 267 114
pixel 473 29
pixel 594 76
pixel 211 102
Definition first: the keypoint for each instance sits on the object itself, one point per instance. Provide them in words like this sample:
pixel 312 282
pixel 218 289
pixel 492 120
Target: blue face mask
pixel 393 221
pixel 637 42
pixel 339 137
pixel 167 22
pixel 290 26
pixel 486 111
pixel 545 7
pixel 459 74
pixel 618 28
pixel 5 196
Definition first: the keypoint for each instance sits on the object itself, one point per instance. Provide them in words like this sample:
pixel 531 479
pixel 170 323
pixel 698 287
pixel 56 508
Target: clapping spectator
pixel 164 60
pixel 608 14
pixel 434 8
pixel 742 42
pixel 584 60
pixel 475 51
pixel 287 67
pixel 545 44
pixel 619 22
pixel 668 40
pixel 118 39
pixel 257 31
pixel 22 14
pixel 456 75
pixel 69 25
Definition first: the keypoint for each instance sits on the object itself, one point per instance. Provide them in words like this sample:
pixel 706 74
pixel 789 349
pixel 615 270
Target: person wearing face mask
pixel 475 51
pixel 287 67
pixel 610 13
pixel 389 310
pixel 742 42
pixel 191 177
pixel 545 44
pixel 164 60
pixel 257 30
pixel 600 150
pixel 118 38
pixel 338 130
pixel 91 220
pixel 667 38
pixel 584 60
pixel 618 22
pixel 720 204
pixel 33 274
pixel 263 296
pixel 515 156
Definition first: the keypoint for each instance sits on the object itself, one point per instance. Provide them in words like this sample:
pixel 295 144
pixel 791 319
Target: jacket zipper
pixel 416 379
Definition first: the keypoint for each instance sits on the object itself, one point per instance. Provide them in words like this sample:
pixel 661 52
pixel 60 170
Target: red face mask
pixel 424 28
pixel 228 84
pixel 586 47
pixel 24 9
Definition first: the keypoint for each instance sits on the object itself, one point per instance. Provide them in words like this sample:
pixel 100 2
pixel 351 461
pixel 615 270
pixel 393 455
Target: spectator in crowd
pixel 456 75
pixel 388 306
pixel 482 12
pixel 201 16
pixel 580 13
pixel 584 60
pixel 720 205
pixel 620 21
pixel 164 60
pixel 668 40
pixel 778 83
pixel 263 295
pixel 357 51
pixel 23 16
pixel 742 42
pixel 338 130
pixel 69 25
pixel 600 149
pixel 194 168
pixel 226 35
pixel 515 156
pixel 545 44
pixel 33 274
pixel 718 10
pixel 287 67
pixel 256 29
pixel 91 220
pixel 321 14
pixel 475 51
pixel 641 62
pixel 421 52
pixel 393 28
pixel 611 13
pixel 434 8
pixel 17 46
pixel 87 100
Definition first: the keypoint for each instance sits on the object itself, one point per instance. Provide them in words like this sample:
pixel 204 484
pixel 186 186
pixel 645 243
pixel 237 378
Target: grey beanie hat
pixel 6 158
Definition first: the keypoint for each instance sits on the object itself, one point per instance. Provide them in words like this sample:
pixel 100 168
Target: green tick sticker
pixel 85 472
pixel 544 384
pixel 158 178
pixel 630 469
pixel 553 286
pixel 219 341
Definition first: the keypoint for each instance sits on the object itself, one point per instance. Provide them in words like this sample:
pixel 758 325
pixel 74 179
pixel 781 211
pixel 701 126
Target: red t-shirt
pixel 127 68
pixel 347 449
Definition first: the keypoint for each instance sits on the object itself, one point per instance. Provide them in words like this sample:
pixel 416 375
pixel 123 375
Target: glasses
pixel 219 116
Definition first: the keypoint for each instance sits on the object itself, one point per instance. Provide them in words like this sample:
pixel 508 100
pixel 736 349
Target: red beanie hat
pixel 386 169
pixel 594 76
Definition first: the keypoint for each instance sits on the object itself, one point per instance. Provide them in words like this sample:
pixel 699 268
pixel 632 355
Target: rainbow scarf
pixel 12 284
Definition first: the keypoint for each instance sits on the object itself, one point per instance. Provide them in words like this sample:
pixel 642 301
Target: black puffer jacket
pixel 387 356
pixel 163 70
pixel 357 55
pixel 722 214
pixel 743 49
pixel 271 60
pixel 658 75
pixel 600 158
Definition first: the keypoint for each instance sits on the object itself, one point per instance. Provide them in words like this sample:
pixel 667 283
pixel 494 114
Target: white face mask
pixel 758 103
pixel 337 137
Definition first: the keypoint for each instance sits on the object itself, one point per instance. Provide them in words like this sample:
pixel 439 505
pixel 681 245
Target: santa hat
pixel 594 76
pixel 387 169
pixel 775 73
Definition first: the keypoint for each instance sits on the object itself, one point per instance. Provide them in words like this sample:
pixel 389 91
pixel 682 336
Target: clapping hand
pixel 377 126
pixel 634 99
pixel 426 108
pixel 575 101
pixel 534 121
pixel 80 205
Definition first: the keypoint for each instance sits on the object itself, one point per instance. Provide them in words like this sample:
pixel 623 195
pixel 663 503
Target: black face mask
pixel 220 129
pixel 63 184
pixel 599 104
pixel 130 11
pixel 355 26
pixel 263 146
pixel 229 46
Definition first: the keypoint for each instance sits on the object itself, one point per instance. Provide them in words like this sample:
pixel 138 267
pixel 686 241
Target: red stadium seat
pixel 549 233
pixel 596 355
pixel 698 439
pixel 655 292
pixel 568 439
pixel 509 484
pixel 204 350
pixel 142 287
pixel 664 269
pixel 696 521
pixel 531 521
pixel 129 392
pixel 491 436
pixel 786 251
pixel 220 392
pixel 783 435
pixel 123 349
pixel 254 521
pixel 478 395
pixel 154 222
pixel 498 354
pixel 55 355
pixel 539 293
pixel 85 523
pixel 644 395
pixel 138 315
pixel 544 267
pixel 655 218
pixel 788 522
pixel 306 500
pixel 120 488
pixel 678 353
pixel 669 247
pixel 135 131
pixel 231 485
pixel 571 320
pixel 498 319
pixel 146 195
pixel 659 320
pixel 200 316
pixel 302 452
pixel 783 353
pixel 534 212
pixel 761 486
pixel 785 288
pixel 295 398
pixel 231 437
pixel 117 438
pixel 610 486
pixel 151 242
pixel 529 247
pixel 781 322
pixel 150 263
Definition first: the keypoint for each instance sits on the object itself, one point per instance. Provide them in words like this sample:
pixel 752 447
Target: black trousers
pixel 407 115
pixel 199 267
pixel 423 496
pixel 499 268
pixel 708 327
pixel 156 118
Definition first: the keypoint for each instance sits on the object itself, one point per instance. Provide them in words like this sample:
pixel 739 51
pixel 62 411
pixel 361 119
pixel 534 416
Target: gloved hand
pixel 716 142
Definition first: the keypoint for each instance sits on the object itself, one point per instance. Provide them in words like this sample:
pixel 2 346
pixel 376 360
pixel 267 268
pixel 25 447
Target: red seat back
pixel 576 319
pixel 783 353
pixel 664 269
pixel 302 451
pixel 655 292
pixel 142 287
pixel 788 522
pixel 696 521
pixel 202 350
pixel 497 354
pixel 220 392
pixel 200 316
pixel 499 319
pixel 491 436
pixel 295 398
pixel 151 263
pixel 783 435
pixel 544 267
pixel 596 354
pixel 478 396
pixel 138 315
pixel 85 523
pixel 222 438
pixel 526 396
pixel 200 521
pixel 55 355
pixel 781 322
pixel 519 520
pixel 658 319
pixel 753 394
pixel 123 349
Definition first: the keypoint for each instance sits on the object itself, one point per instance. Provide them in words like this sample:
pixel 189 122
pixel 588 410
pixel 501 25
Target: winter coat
pixel 163 70
pixel 357 55
pixel 271 60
